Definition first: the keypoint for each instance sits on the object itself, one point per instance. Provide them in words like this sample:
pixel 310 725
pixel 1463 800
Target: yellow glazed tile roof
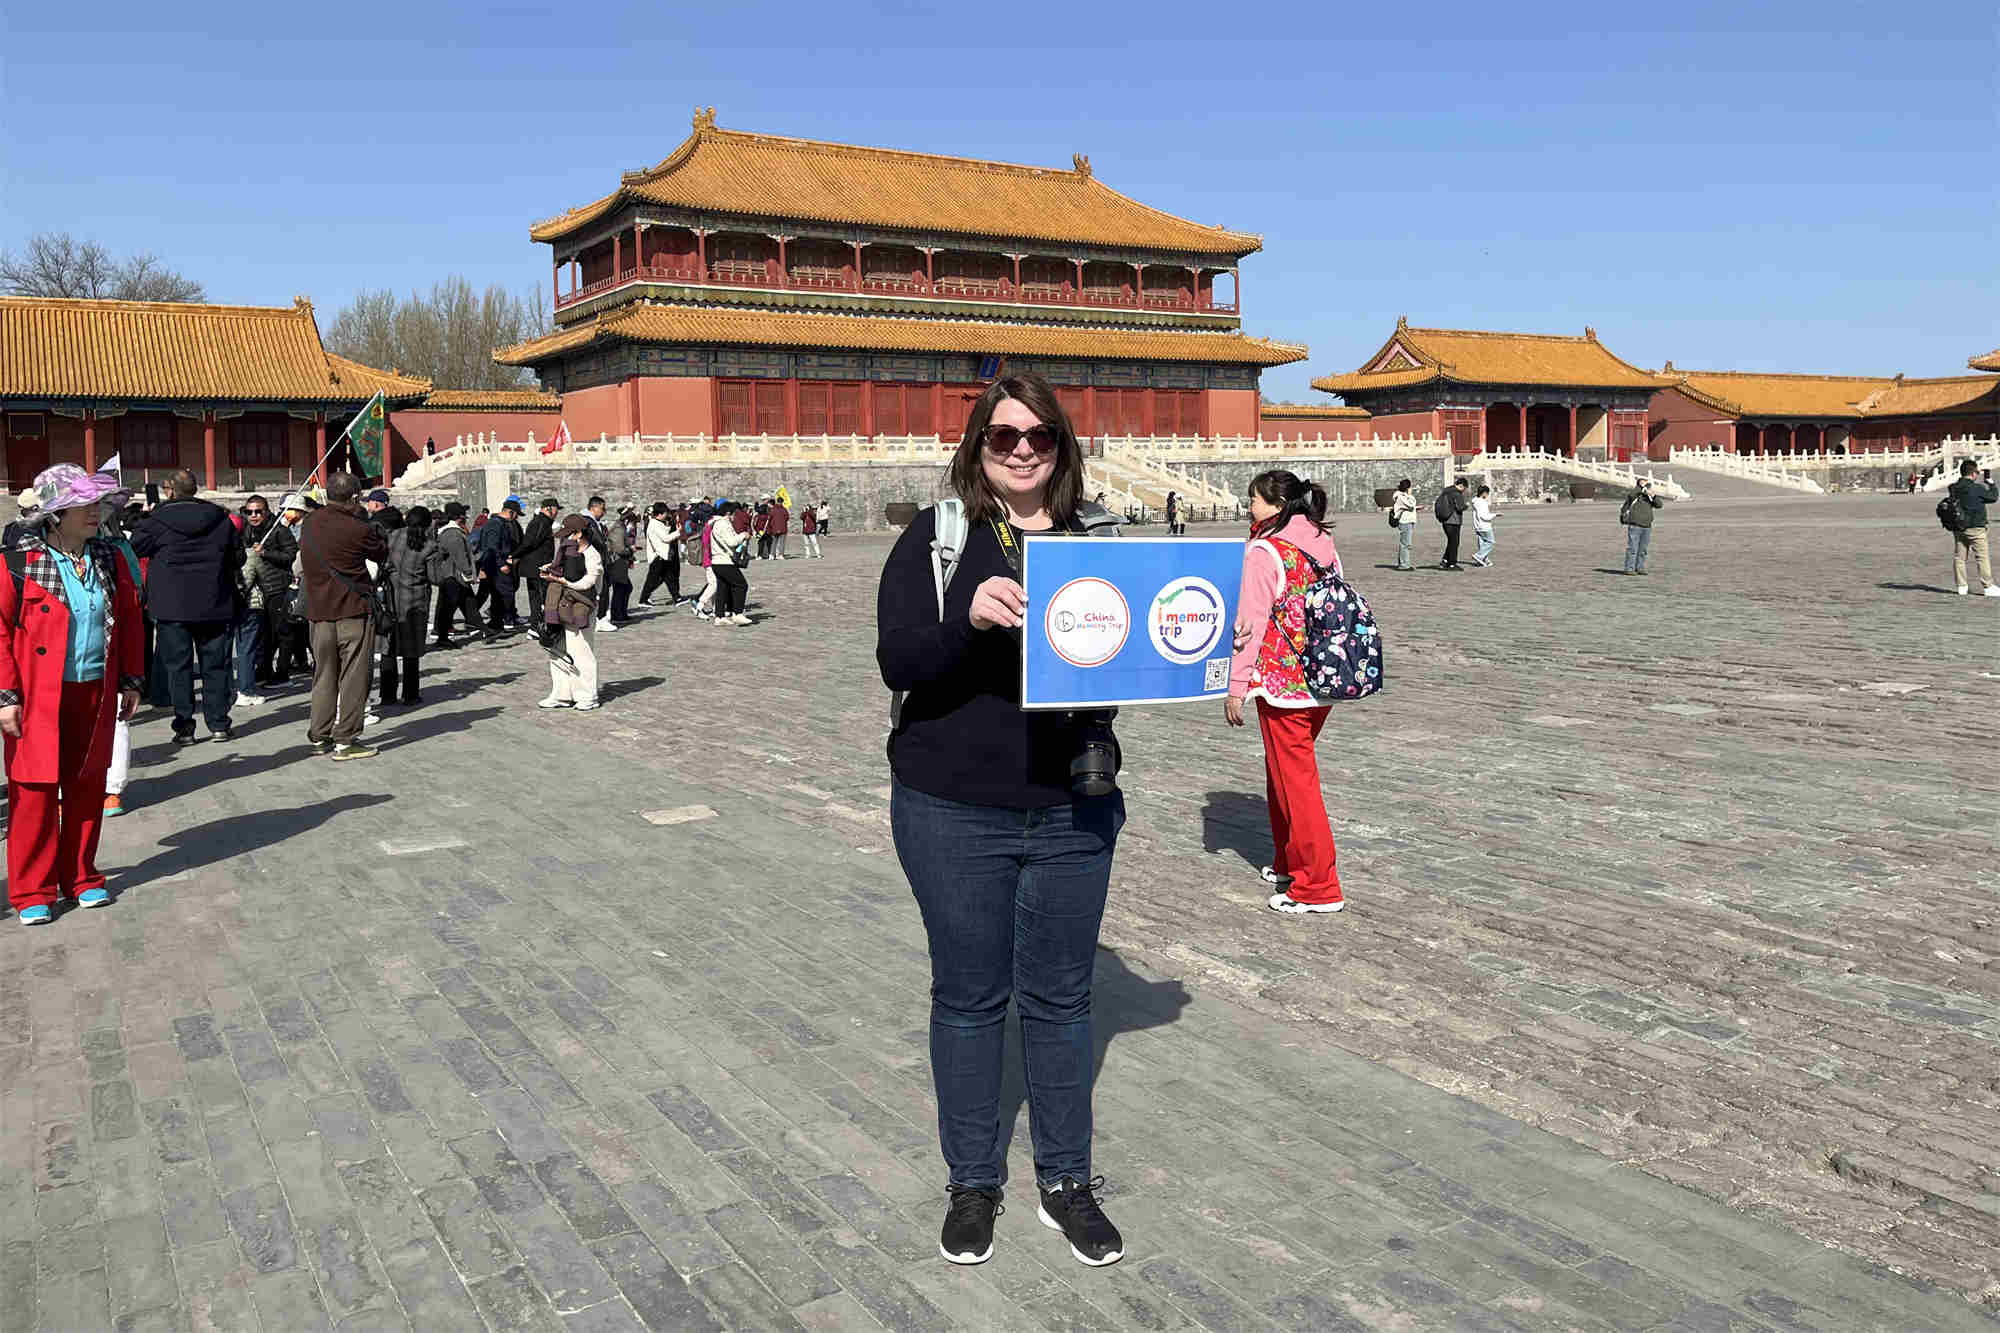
pixel 1312 412
pixel 57 348
pixel 1472 356
pixel 1991 361
pixel 489 400
pixel 803 180
pixel 723 325
pixel 1751 394
pixel 1958 393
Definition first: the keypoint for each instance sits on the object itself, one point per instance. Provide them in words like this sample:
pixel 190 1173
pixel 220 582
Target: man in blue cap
pixel 497 576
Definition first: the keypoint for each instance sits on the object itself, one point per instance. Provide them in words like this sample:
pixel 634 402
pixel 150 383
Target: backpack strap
pixel 17 574
pixel 947 545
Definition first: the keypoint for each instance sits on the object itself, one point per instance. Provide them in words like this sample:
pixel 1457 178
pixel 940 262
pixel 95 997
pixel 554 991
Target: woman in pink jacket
pixel 1287 536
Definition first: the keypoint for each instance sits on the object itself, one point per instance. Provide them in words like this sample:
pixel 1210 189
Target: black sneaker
pixel 968 1225
pixel 1072 1209
pixel 225 735
pixel 184 738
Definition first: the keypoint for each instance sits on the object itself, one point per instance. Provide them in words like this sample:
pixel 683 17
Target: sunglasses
pixel 256 513
pixel 1004 440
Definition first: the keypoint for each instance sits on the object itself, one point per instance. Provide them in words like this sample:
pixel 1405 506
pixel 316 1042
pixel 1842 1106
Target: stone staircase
pixel 1754 477
pixel 1616 474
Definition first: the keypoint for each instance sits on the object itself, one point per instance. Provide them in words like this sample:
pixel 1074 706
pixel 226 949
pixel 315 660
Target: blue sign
pixel 1131 620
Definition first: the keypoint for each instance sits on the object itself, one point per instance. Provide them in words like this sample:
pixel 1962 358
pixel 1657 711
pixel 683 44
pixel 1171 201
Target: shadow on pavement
pixel 1120 1001
pixel 619 689
pixel 219 763
pixel 233 835
pixel 424 727
pixel 1235 822
pixel 1918 587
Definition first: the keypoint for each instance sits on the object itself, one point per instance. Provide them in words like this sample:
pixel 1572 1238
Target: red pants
pixel 1299 829
pixel 52 827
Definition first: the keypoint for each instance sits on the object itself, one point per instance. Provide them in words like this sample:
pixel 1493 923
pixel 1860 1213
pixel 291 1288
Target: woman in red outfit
pixel 1287 535
pixel 71 652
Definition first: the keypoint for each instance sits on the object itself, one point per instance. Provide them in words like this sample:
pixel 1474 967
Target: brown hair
pixel 967 477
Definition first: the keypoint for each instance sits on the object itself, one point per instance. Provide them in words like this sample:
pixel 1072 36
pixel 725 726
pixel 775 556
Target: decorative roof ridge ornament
pixel 1589 334
pixel 1082 161
pixel 302 304
pixel 704 119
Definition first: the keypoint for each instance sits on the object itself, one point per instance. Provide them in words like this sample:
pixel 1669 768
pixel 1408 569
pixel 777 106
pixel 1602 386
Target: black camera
pixel 1094 771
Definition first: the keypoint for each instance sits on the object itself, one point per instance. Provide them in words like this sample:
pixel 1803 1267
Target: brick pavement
pixel 1653 901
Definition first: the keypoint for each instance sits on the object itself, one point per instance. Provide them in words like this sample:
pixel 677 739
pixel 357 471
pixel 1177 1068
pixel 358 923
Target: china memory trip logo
pixel 1186 620
pixel 1087 622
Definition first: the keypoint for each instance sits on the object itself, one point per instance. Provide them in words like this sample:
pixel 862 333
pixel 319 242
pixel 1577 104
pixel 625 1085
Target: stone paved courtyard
pixel 1667 997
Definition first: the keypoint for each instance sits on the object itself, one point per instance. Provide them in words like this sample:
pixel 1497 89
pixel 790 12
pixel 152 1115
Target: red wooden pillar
pixel 930 266
pixel 90 439
pixel 617 256
pixel 208 450
pixel 1194 286
pixel 867 405
pixel 1572 430
pixel 638 248
pixel 1079 281
pixel 701 255
pixel 785 280
pixel 1138 284
pixel 937 410
pixel 792 406
pixel 1236 281
pixel 1521 437
pixel 319 437
pixel 1017 275
pixel 555 284
pixel 1089 422
pixel 857 275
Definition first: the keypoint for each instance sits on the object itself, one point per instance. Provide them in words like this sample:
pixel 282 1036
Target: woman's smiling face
pixel 1022 475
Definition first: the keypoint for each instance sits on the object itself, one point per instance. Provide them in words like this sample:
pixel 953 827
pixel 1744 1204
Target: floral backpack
pixel 1341 651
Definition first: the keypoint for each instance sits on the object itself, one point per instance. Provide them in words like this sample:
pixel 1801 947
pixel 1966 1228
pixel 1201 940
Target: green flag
pixel 366 434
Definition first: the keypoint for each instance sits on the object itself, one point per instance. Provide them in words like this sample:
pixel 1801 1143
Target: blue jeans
pixel 186 649
pixel 1405 534
pixel 1484 551
pixel 1011 900
pixel 249 647
pixel 1637 539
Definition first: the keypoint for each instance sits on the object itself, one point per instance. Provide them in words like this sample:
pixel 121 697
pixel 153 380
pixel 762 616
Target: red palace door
pixel 27 448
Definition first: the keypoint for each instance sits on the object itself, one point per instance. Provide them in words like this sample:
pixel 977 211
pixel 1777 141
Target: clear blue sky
pixel 1773 186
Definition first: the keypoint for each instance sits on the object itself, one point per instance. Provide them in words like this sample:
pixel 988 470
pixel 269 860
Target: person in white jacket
pixel 1482 527
pixel 732 589
pixel 1403 508
pixel 578 565
pixel 663 557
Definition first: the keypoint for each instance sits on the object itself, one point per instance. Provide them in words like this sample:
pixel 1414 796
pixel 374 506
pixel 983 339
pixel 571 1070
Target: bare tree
pixel 447 336
pixel 58 264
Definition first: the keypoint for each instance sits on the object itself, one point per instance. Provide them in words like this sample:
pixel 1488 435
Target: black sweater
pixel 963 736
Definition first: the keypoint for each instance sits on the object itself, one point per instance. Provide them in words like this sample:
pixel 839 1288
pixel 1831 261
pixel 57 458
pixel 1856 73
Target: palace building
pixel 1754 413
pixel 758 285
pixel 239 395
pixel 1502 391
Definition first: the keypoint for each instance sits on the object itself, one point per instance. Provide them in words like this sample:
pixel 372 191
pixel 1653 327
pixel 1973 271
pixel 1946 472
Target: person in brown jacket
pixel 335 544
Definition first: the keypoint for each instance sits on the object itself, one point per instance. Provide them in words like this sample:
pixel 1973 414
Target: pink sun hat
pixel 67 486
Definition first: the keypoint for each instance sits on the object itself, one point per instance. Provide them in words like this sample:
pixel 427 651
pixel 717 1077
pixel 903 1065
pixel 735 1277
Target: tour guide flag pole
pixel 367 433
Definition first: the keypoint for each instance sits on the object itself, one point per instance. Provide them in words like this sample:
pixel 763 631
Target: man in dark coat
pixel 1450 512
pixel 493 552
pixel 536 548
pixel 335 546
pixel 191 591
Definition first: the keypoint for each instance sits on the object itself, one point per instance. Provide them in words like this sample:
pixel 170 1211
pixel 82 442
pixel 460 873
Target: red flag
pixel 560 439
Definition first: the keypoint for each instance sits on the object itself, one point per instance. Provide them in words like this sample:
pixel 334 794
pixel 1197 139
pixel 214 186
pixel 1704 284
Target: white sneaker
pixel 371 720
pixel 587 707
pixel 1962 590
pixel 739 619
pixel 1268 874
pixel 553 702
pixel 249 700
pixel 1290 906
pixel 1992 590
pixel 606 627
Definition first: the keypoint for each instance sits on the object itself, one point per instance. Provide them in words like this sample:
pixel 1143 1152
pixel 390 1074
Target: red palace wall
pixel 675 406
pixel 1676 421
pixel 1405 423
pixel 1232 412
pixel 409 429
pixel 1306 428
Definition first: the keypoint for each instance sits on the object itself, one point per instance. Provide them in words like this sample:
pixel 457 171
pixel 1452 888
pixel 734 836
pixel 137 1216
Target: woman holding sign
pixel 1287 536
pixel 1009 864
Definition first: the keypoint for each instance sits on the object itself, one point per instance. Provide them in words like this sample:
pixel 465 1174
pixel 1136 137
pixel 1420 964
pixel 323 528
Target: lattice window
pixel 147 441
pixel 256 443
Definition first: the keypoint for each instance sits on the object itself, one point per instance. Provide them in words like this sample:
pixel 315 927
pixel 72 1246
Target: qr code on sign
pixel 1216 676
